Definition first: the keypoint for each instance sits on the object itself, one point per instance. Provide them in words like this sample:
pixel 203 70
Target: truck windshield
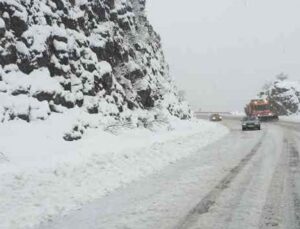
pixel 262 107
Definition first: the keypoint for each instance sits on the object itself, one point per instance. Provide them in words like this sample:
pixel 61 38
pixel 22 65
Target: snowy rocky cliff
pixel 98 57
pixel 284 95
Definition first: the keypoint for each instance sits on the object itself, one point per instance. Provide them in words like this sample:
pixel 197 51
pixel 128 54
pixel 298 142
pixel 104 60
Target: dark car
pixel 215 117
pixel 251 123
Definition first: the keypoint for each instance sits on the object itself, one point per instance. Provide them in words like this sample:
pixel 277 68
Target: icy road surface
pixel 245 180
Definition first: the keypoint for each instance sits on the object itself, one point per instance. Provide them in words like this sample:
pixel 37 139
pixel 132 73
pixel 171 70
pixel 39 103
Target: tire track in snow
pixel 294 176
pixel 273 208
pixel 289 125
pixel 282 207
pixel 210 199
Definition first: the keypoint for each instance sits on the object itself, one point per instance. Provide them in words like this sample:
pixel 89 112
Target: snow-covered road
pixel 245 180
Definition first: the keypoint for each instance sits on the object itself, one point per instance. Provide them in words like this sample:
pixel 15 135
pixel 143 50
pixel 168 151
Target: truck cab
pixel 262 109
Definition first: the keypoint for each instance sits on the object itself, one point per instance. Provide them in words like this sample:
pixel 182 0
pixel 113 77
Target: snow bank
pixel 42 175
pixel 291 118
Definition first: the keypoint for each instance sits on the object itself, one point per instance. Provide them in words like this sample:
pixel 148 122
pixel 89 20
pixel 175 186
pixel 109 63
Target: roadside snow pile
pixel 291 118
pixel 43 176
pixel 100 56
pixel 284 95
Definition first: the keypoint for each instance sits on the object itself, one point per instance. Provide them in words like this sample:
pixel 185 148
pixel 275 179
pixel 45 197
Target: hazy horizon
pixel 222 52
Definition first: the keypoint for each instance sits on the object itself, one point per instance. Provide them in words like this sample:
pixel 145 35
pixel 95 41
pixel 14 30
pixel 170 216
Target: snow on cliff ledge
pixel 102 57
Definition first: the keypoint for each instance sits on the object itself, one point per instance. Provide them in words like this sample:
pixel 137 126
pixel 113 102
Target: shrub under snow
pixel 284 95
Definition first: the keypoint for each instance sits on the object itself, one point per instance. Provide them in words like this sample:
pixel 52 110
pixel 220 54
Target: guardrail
pixel 213 112
pixel 226 115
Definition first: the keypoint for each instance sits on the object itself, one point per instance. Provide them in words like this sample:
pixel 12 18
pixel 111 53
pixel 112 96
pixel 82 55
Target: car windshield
pixel 250 119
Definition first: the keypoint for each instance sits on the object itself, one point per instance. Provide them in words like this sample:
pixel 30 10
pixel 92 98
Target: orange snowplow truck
pixel 262 109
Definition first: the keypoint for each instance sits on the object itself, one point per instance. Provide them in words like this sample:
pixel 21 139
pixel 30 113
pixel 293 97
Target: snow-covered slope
pixel 284 95
pixel 92 70
pixel 101 57
pixel 43 176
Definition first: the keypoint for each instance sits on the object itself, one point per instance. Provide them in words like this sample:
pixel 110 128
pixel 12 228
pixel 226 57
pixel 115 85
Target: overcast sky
pixel 222 51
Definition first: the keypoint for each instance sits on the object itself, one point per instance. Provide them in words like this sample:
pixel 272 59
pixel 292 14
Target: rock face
pixel 284 96
pixel 101 56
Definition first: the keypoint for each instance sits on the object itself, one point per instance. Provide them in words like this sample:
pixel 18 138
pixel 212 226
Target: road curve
pixel 245 180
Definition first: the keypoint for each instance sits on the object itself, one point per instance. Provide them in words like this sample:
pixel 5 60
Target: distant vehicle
pixel 262 109
pixel 215 117
pixel 251 123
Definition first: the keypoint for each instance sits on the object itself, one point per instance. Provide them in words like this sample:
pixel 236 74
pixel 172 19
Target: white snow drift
pixel 42 175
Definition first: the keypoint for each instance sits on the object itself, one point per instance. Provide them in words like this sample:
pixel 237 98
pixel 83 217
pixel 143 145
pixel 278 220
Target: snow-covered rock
pixel 92 70
pixel 284 95
pixel 2 27
pixel 61 53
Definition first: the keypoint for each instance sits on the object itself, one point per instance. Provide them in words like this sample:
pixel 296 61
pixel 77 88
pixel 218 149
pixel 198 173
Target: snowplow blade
pixel 269 118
